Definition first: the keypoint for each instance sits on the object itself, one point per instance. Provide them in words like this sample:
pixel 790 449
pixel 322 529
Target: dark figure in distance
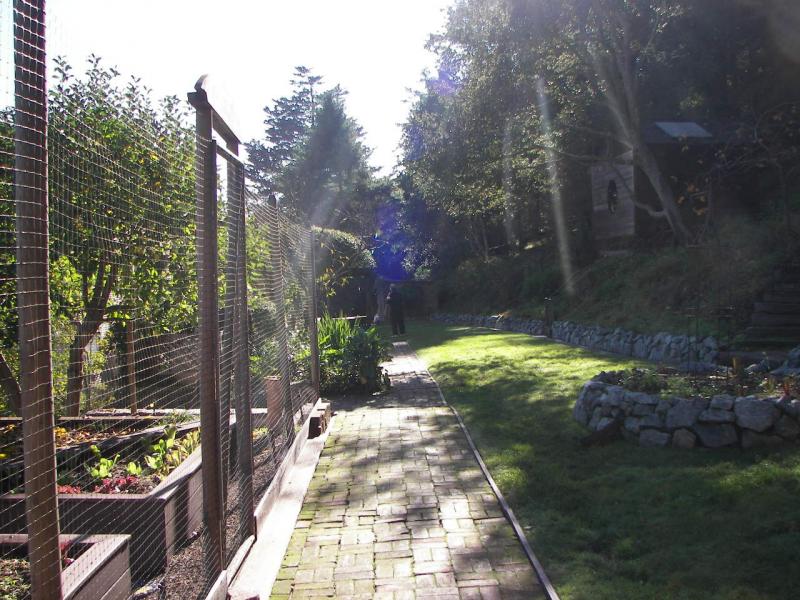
pixel 395 302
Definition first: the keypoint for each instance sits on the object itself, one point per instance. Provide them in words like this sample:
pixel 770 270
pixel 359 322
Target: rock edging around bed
pixel 717 422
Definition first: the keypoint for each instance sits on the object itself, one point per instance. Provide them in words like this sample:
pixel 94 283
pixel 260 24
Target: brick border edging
pixel 544 580
pixel 239 585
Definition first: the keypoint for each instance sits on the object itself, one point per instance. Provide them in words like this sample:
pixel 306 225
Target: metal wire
pixel 120 269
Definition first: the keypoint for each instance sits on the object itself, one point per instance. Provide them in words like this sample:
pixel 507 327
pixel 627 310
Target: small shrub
pixel 350 357
pixel 643 380
pixel 260 432
pixel 538 283
pixel 669 382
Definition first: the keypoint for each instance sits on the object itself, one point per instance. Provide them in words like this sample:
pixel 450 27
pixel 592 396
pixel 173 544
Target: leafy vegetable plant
pixel 103 467
pixel 168 452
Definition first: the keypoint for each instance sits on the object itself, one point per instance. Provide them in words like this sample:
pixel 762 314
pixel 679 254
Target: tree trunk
pixel 484 241
pixel 785 206
pixel 647 161
pixel 77 356
pixel 87 329
pixel 474 238
pixel 74 378
pixel 10 386
pixel 130 364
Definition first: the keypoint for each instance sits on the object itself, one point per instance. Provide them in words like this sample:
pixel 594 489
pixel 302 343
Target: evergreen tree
pixel 314 159
pixel 286 124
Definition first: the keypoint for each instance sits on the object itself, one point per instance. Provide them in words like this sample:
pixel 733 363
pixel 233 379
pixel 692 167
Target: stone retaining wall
pixel 661 347
pixel 688 422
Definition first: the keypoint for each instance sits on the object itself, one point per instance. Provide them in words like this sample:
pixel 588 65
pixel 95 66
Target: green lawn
pixel 619 521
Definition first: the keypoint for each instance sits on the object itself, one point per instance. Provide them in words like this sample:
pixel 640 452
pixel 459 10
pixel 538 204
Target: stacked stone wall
pixel 720 421
pixel 660 347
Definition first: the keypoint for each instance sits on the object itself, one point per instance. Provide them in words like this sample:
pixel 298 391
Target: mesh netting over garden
pixel 158 333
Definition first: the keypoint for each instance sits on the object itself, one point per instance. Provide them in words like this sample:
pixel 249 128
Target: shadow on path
pixel 399 508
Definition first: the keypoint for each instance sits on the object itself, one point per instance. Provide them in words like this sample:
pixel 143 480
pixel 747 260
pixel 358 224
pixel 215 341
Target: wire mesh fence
pixel 157 325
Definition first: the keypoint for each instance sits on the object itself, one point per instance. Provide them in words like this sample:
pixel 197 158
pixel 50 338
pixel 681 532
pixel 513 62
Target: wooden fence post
pixel 312 317
pixel 244 424
pixel 230 327
pixel 33 298
pixel 278 298
pixel 208 338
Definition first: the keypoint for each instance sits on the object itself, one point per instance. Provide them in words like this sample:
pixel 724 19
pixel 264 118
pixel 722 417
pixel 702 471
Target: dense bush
pixel 350 357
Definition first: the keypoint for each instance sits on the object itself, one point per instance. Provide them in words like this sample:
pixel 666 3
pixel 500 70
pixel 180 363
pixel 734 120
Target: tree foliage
pixel 121 174
pixel 528 88
pixel 313 158
pixel 122 234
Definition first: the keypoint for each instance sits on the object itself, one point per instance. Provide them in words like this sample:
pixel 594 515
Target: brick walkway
pixel 398 507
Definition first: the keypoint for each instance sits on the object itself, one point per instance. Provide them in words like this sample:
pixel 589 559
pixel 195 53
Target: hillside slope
pixel 645 292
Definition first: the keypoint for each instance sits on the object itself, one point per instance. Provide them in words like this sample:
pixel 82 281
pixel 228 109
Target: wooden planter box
pixel 72 457
pixel 101 572
pixel 156 522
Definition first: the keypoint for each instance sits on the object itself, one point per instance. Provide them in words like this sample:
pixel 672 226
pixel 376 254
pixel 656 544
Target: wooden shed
pixel 680 147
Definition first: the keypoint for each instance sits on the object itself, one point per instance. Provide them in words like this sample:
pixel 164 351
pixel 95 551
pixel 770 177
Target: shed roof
pixel 679 132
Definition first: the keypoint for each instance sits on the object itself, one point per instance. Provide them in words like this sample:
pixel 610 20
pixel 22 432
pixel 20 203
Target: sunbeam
pixel 555 189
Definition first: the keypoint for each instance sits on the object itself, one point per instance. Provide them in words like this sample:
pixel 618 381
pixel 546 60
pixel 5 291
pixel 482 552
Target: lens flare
pixel 555 189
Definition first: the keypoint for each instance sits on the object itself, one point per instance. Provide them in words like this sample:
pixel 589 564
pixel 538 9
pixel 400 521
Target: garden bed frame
pixel 71 457
pixel 157 522
pixel 101 572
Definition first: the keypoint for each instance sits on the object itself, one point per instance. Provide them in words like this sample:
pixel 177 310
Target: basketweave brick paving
pixel 399 508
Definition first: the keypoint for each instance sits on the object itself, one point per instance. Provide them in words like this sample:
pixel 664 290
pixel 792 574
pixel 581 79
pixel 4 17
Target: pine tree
pixel 287 122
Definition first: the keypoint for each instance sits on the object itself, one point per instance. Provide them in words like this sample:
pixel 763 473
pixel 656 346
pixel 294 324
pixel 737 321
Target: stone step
pixel 778 332
pixel 766 345
pixel 319 420
pixel 786 287
pixel 769 337
pixel 748 357
pixel 773 320
pixel 777 308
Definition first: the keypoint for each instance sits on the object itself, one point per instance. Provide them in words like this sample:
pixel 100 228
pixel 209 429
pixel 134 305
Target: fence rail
pixel 159 345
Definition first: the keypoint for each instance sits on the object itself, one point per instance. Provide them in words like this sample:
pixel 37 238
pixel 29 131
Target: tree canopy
pixel 529 93
pixel 314 159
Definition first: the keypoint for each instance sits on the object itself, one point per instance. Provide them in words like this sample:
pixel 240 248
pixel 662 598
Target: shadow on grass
pixel 618 521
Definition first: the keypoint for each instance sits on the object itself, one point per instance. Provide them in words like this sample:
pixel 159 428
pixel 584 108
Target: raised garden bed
pixel 667 408
pixel 75 437
pixel 157 521
pixel 162 520
pixel 96 567
pixel 272 453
